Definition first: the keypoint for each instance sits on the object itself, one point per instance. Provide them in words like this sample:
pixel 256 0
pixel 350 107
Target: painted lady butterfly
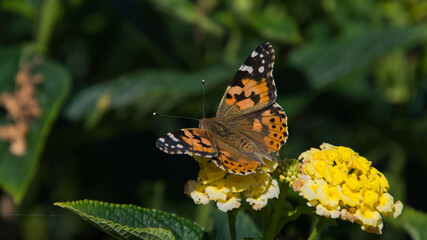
pixel 249 125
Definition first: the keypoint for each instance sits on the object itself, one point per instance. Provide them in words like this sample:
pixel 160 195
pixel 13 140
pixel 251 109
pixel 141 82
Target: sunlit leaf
pixel 16 172
pixel 132 222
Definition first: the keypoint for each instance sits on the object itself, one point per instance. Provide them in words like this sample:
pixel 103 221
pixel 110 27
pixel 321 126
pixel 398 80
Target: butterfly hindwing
pixel 235 162
pixel 252 87
pixel 267 128
pixel 190 141
pixel 275 121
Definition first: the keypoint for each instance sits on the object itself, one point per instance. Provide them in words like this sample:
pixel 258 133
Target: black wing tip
pixel 266 46
pixel 160 145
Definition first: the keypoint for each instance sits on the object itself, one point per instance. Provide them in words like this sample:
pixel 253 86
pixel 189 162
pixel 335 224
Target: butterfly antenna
pixel 169 116
pixel 203 103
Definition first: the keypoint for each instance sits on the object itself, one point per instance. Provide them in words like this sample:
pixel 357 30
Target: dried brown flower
pixel 22 107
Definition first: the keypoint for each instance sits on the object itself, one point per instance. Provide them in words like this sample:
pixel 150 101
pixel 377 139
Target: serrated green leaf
pixel 149 87
pixel 123 220
pixel 325 62
pixel 16 172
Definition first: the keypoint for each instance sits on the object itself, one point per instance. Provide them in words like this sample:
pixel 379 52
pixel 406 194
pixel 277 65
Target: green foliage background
pixel 351 73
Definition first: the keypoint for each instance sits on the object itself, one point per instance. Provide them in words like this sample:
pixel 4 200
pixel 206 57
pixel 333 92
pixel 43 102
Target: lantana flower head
pixel 228 190
pixel 340 183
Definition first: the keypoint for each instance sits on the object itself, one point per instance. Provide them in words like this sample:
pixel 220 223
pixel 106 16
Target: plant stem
pixel 46 19
pixel 202 215
pixel 319 225
pixel 232 216
pixel 277 212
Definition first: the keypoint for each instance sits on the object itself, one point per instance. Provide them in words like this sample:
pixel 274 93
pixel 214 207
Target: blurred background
pixel 349 73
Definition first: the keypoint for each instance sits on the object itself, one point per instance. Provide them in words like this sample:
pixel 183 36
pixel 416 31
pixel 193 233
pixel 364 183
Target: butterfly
pixel 249 125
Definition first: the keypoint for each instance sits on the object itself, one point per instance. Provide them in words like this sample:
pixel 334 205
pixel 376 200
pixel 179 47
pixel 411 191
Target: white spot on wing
pixel 261 55
pixel 254 54
pixel 179 146
pixel 173 137
pixel 161 140
pixel 261 69
pixel 248 69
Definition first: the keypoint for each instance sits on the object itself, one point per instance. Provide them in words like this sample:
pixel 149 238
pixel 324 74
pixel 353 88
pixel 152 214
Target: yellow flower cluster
pixel 341 183
pixel 227 190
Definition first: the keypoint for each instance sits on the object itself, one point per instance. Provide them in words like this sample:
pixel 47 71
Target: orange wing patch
pixel 257 125
pixel 272 144
pixel 247 94
pixel 197 142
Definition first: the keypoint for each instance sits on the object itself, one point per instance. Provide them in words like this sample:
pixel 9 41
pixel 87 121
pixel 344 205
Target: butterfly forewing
pixel 190 141
pixel 252 87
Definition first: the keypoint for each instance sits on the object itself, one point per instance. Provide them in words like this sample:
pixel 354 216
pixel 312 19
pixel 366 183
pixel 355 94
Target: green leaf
pixel 274 24
pixel 413 221
pixel 20 7
pixel 186 11
pixel 327 61
pixel 125 221
pixel 16 172
pixel 146 89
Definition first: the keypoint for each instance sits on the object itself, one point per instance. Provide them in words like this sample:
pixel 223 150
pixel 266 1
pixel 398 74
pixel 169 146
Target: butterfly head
pixel 214 126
